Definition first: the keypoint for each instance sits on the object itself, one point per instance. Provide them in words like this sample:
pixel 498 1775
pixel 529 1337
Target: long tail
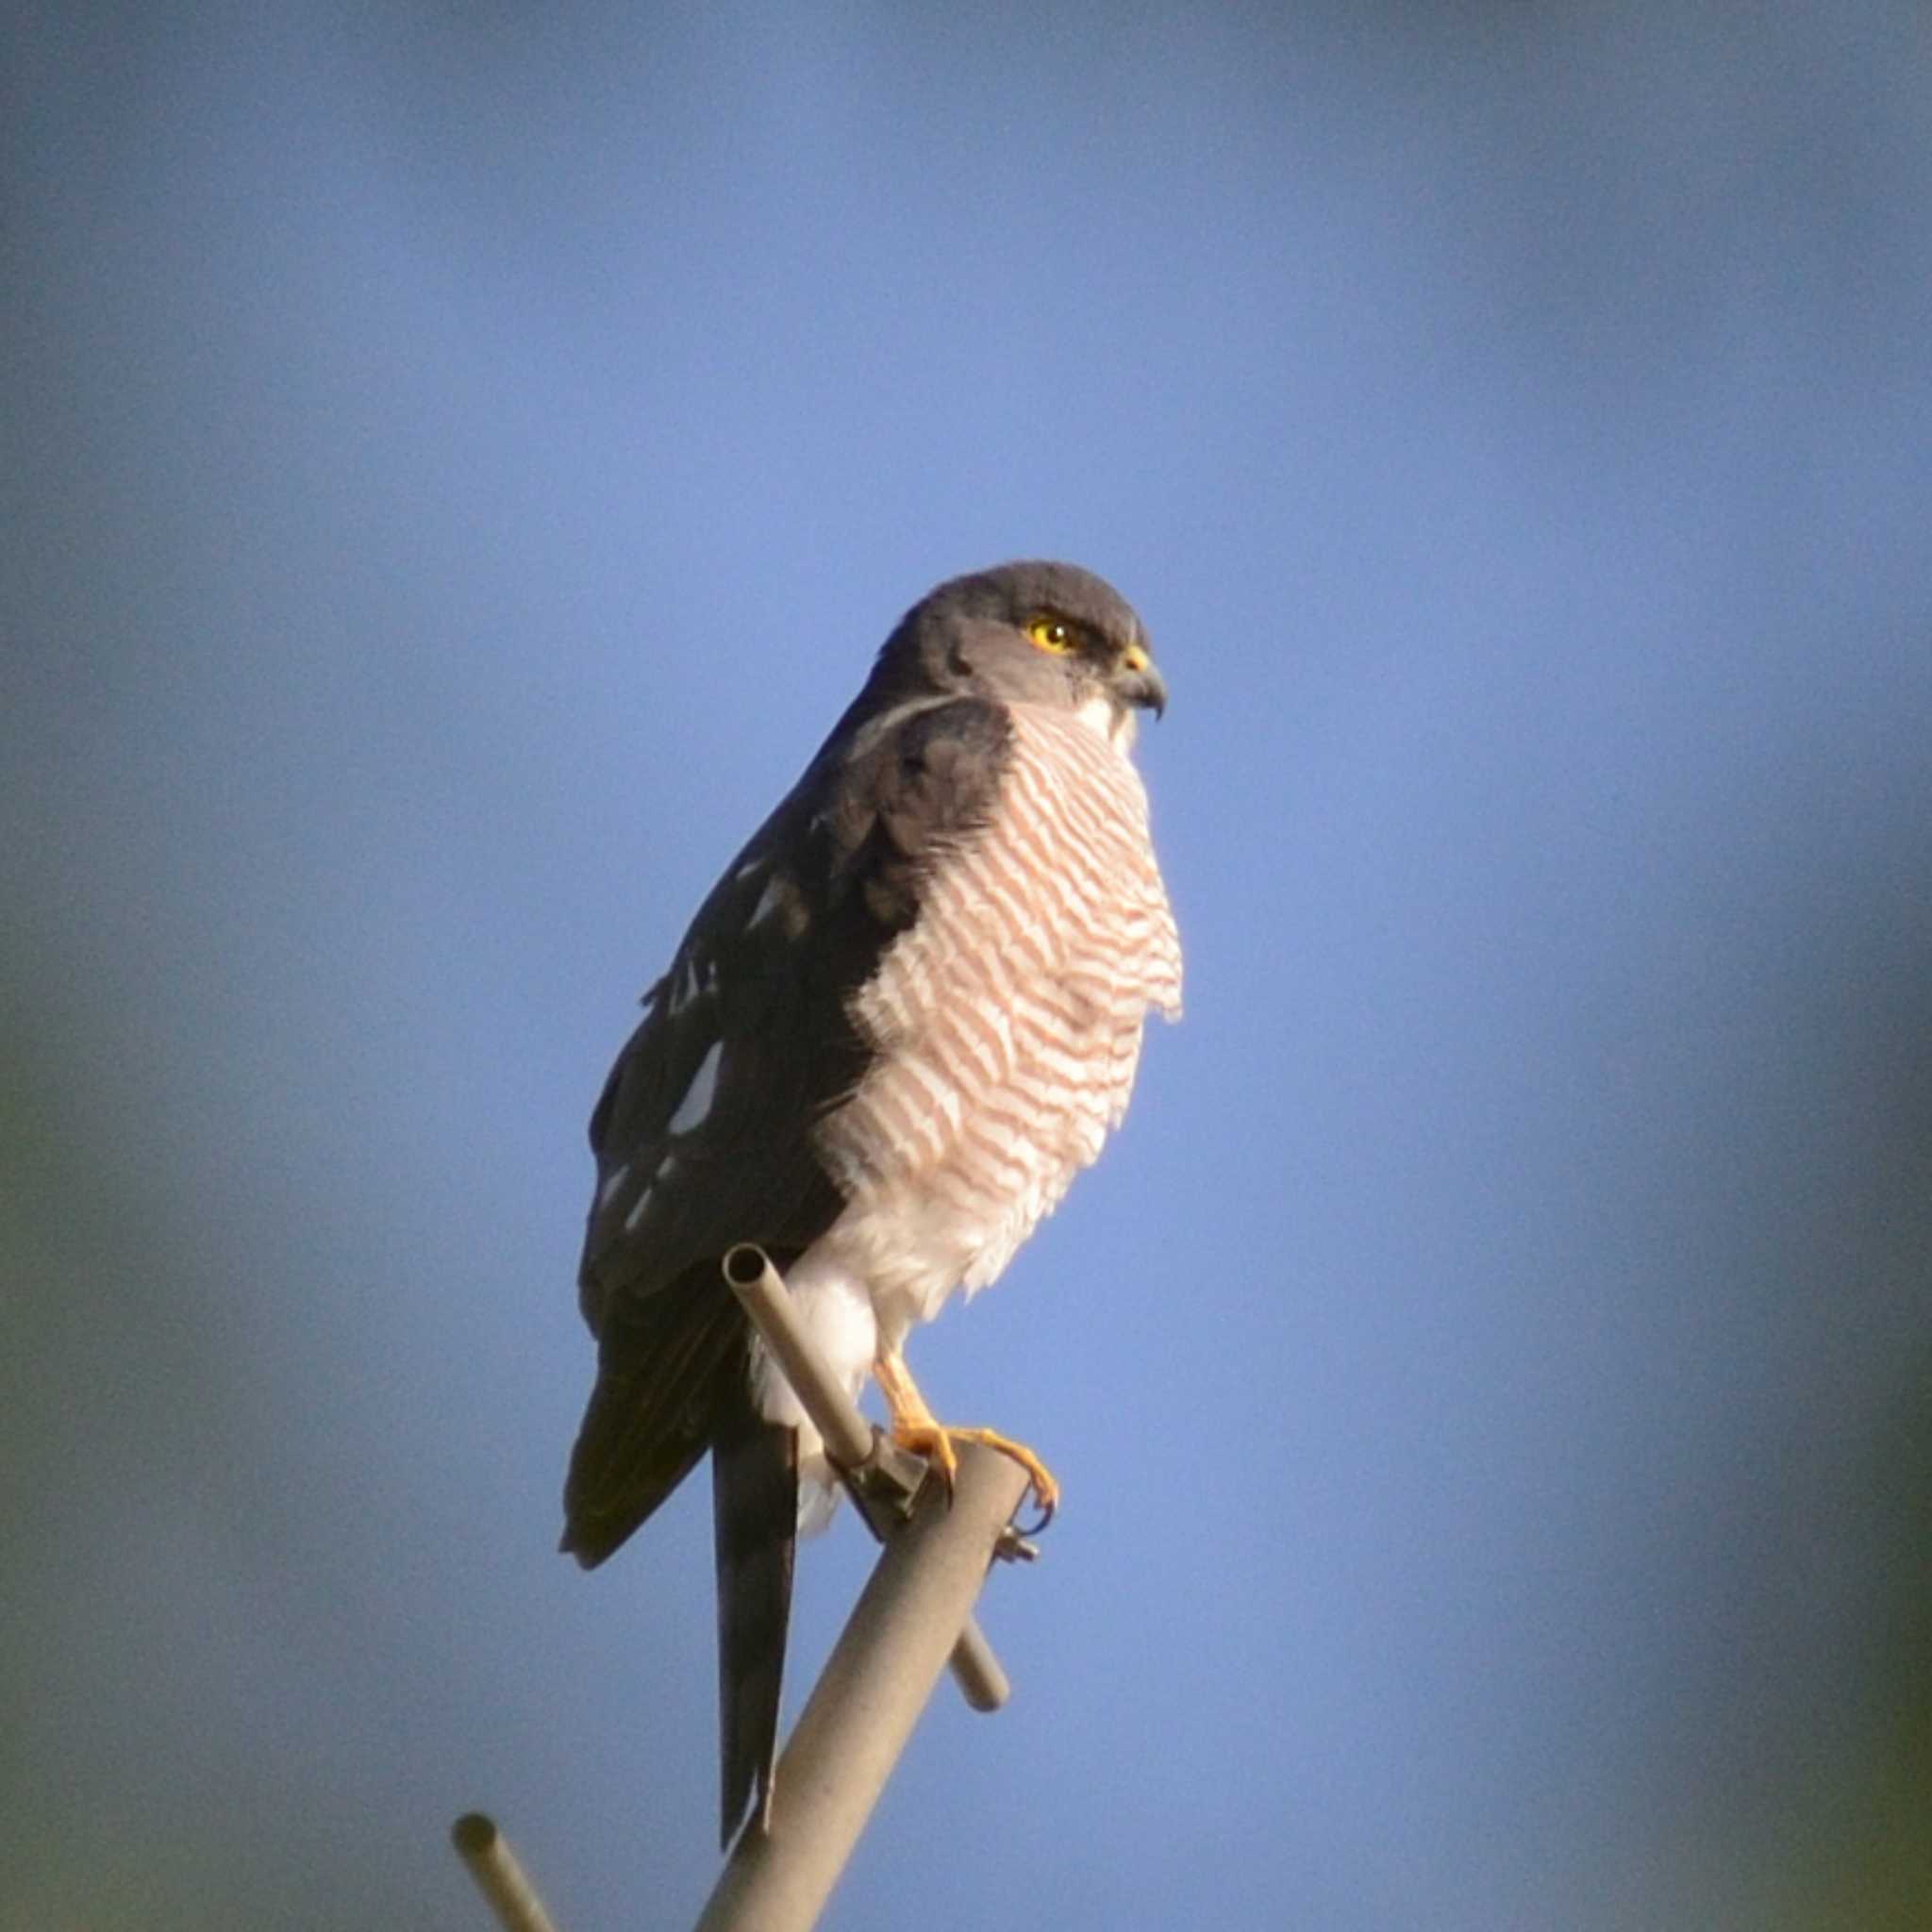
pixel 754 1516
pixel 674 1378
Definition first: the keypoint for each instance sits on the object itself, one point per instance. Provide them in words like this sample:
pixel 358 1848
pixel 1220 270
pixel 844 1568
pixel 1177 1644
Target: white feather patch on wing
pixel 686 990
pixel 698 1097
pixel 769 902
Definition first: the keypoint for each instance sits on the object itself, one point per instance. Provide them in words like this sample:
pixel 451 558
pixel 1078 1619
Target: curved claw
pixel 1047 1505
pixel 935 1444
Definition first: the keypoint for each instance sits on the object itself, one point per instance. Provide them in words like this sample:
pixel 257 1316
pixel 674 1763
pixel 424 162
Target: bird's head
pixel 1032 633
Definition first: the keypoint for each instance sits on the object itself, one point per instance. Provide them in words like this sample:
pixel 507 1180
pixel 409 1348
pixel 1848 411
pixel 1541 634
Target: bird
pixel 909 1013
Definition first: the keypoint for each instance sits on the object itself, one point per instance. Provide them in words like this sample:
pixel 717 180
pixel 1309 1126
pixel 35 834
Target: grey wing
pixel 703 1139
pixel 701 1132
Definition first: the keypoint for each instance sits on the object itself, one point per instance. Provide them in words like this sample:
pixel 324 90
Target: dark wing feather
pixel 705 1136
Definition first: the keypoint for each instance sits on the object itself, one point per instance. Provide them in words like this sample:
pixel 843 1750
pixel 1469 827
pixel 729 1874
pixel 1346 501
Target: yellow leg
pixel 915 1427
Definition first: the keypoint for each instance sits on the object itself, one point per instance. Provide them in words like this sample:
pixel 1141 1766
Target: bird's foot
pixel 915 1427
pixel 933 1440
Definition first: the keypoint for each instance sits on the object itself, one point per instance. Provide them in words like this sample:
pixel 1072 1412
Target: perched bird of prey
pixel 903 1019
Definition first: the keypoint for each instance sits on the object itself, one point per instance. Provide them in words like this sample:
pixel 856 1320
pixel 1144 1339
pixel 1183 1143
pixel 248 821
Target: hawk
pixel 906 1016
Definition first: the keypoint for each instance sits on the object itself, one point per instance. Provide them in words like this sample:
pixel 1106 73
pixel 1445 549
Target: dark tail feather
pixel 754 1511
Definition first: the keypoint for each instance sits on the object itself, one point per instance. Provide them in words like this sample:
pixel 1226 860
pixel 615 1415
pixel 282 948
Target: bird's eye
pixel 1050 634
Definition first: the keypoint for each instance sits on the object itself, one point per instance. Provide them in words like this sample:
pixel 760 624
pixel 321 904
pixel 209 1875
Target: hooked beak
pixel 1140 682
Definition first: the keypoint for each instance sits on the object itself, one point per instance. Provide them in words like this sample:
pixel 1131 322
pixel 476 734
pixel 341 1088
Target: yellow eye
pixel 1050 634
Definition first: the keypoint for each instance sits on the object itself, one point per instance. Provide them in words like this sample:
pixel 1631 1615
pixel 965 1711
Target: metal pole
pixel 914 1616
pixel 498 1875
pixel 866 1702
pixel 851 1441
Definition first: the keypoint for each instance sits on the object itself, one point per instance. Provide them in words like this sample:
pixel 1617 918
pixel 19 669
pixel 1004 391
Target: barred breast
pixel 1008 1022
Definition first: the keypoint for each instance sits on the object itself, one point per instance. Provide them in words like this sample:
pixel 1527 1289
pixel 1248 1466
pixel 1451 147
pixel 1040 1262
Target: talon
pixel 935 1444
pixel 1025 1531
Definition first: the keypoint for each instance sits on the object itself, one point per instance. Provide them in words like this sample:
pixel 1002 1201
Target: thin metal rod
pixel 834 1414
pixel 863 1707
pixel 851 1440
pixel 498 1877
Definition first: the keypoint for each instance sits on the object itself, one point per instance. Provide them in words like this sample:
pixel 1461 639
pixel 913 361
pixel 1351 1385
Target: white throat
pixel 1115 724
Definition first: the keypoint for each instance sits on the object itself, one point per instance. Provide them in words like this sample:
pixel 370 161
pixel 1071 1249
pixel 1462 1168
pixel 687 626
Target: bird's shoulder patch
pixel 922 787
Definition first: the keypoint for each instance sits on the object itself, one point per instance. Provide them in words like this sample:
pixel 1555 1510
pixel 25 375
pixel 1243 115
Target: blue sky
pixel 463 467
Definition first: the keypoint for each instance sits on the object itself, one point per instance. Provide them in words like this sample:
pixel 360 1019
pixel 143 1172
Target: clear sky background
pixel 456 465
